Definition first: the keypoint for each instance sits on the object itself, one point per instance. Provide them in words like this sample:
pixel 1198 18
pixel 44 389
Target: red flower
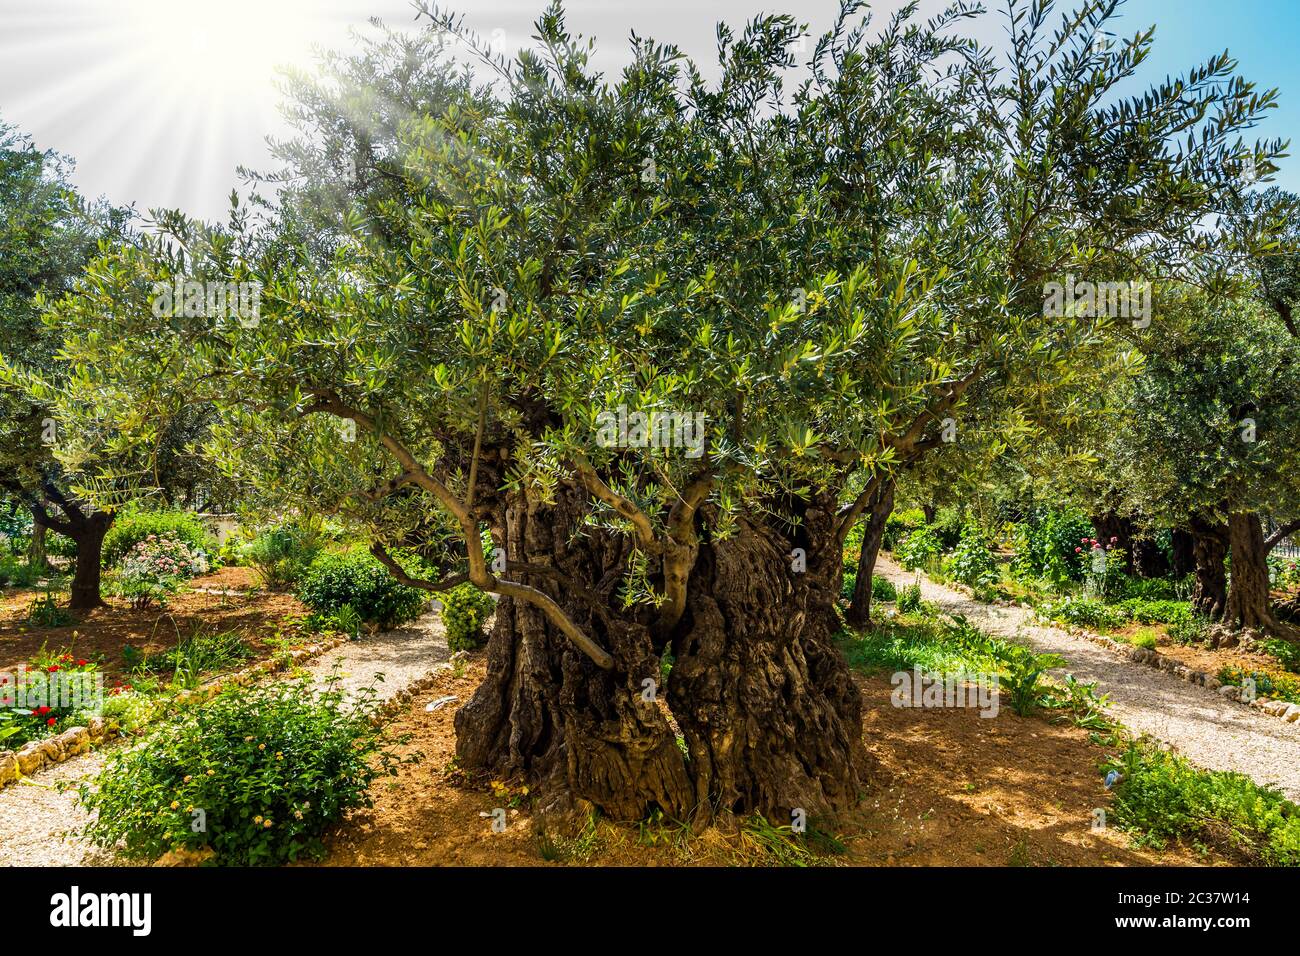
pixel 1078 550
pixel 81 663
pixel 42 710
pixel 1083 540
pixel 52 721
pixel 52 668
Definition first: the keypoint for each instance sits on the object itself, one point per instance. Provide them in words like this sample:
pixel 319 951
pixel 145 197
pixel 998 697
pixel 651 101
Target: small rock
pixel 1230 691
pixel 30 759
pixel 8 767
pixel 1292 714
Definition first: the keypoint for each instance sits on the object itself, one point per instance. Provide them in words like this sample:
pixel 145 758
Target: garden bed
pixel 103 633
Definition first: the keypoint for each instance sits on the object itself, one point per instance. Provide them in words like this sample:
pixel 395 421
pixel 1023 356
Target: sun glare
pixel 221 50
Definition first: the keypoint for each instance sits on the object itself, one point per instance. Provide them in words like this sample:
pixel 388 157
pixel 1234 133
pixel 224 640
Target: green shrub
pixel 1021 673
pixel 280 556
pixel 948 526
pixel 1188 628
pixel 1145 638
pixel 1287 652
pixel 882 589
pixel 972 562
pixel 916 550
pixel 130 529
pixel 255 775
pixel 1146 611
pixel 848 581
pixel 45 612
pixel 899 524
pixel 464 609
pixel 1160 796
pixel 357 578
pixel 1045 545
pixel 909 599
pixel 1084 612
pixel 16 571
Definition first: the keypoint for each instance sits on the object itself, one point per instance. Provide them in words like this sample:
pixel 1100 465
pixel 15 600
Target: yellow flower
pixel 257 819
pixel 267 825
pixel 211 772
pixel 279 756
pixel 261 746
pixel 175 804
pixel 248 738
pixel 298 814
pixel 188 778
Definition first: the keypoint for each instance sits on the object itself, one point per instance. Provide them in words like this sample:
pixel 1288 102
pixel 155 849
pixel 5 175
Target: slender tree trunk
pixel 89 537
pixel 1209 548
pixel 859 612
pixel 929 511
pixel 1249 604
pixel 36 556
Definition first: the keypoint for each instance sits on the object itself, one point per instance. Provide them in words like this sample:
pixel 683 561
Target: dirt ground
pixel 102 633
pixel 951 789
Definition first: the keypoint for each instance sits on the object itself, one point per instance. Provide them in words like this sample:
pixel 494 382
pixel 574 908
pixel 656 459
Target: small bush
pixel 1188 628
pixel 464 609
pixel 265 770
pixel 1146 611
pixel 1144 638
pixel 848 581
pixel 155 567
pixel 916 550
pixel 899 524
pixel 948 526
pixel 200 653
pixel 882 589
pixel 972 562
pixel 909 599
pixel 1084 612
pixel 16 571
pixel 282 555
pixel 1160 796
pixel 129 530
pixel 357 578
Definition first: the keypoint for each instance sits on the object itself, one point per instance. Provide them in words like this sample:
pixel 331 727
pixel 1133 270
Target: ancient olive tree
pixel 631 340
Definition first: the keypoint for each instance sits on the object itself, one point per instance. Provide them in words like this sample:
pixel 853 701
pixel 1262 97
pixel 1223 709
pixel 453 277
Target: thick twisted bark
pixel 545 711
pixel 770 713
pixel 767 709
pixel 1249 604
pixel 1209 549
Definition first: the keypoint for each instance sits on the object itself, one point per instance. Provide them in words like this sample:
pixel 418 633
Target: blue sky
pixel 160 100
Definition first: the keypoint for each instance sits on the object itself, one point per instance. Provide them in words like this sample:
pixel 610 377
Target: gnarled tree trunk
pixel 1249 603
pixel 768 712
pixel 545 711
pixel 1209 549
pixel 878 512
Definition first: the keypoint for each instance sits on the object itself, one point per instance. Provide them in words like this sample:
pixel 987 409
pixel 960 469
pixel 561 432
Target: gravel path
pixel 37 821
pixel 1212 732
